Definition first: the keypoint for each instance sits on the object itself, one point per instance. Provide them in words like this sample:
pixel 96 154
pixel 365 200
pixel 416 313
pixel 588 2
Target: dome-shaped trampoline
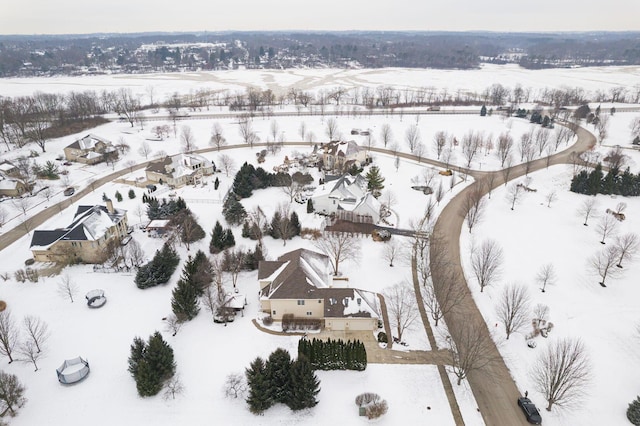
pixel 73 371
pixel 96 298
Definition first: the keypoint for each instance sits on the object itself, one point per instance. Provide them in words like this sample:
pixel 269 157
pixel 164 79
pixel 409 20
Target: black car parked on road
pixel 530 410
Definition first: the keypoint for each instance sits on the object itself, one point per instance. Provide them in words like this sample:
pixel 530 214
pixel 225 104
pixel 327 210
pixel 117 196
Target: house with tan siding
pixel 179 170
pixel 85 240
pixel 299 283
pixel 90 149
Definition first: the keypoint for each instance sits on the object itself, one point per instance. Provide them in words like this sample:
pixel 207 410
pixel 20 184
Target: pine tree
pixel 259 398
pixel 160 357
pixel 483 111
pixel 304 386
pixel 148 382
pixel 275 225
pixel 228 240
pixel 633 412
pixel 217 236
pixel 216 183
pixel 310 208
pixel 295 224
pixel 184 302
pixel 375 180
pixel 138 349
pixel 277 372
pixel 233 211
pixel 132 194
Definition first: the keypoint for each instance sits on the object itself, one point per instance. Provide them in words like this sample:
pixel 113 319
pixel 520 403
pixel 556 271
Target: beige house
pixel 85 240
pixel 348 196
pixel 340 155
pixel 299 283
pixel 90 149
pixel 179 170
pixel 11 185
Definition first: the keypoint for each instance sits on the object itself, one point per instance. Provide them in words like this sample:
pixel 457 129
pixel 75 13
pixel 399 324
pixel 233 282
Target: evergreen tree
pixel 132 194
pixel 633 412
pixel 295 224
pixel 148 382
pixel 278 376
pixel 228 240
pixel 216 183
pixel 310 208
pixel 594 183
pixel 118 196
pixel 375 180
pixel 217 239
pixel 259 398
pixel 160 357
pixel 184 302
pixel 242 185
pixel 483 111
pixel 138 349
pixel 151 364
pixel 275 225
pixel 233 211
pixel 304 387
pixel 190 229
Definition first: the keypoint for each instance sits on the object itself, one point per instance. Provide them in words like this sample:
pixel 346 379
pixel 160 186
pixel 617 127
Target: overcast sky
pixel 86 16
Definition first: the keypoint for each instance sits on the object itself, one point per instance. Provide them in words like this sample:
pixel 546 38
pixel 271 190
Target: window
pixel 300 302
pixel 309 314
pixel 319 300
pixel 273 312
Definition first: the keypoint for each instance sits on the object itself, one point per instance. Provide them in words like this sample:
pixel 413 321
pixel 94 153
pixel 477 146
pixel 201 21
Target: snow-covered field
pixel 533 235
pixel 205 352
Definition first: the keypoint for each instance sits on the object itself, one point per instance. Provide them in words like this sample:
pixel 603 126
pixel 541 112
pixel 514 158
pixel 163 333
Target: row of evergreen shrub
pixel 334 354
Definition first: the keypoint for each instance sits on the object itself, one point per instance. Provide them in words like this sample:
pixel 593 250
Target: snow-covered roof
pixel 90 223
pixel 158 223
pixel 180 165
pixel 295 275
pixel 89 142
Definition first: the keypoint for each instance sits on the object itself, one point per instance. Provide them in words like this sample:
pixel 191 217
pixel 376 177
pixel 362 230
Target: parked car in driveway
pixel 530 410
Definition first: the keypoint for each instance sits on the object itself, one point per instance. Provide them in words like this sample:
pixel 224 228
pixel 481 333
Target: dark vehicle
pixel 151 188
pixel 530 410
pixel 69 191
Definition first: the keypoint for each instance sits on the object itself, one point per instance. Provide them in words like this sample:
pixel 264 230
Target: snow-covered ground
pixel 605 319
pixel 205 352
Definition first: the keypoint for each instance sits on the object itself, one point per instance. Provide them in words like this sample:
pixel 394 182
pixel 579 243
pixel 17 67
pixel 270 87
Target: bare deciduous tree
pixel 505 147
pixel 386 135
pixel 145 149
pixel 9 335
pixel 339 246
pixel 37 330
pixel 551 197
pixel 471 145
pixel 302 130
pixel 29 353
pixel 11 394
pixel 173 387
pixel 470 347
pixel 217 137
pixel 473 205
pixel 392 251
pixel 188 139
pixel 274 128
pixel 246 131
pixel 627 246
pixel 540 313
pixel 514 193
pixel 607 227
pixel 213 299
pixel 586 209
pixel 440 142
pixel 486 262
pixel 226 163
pixel 293 190
pixel 235 385
pixel 513 308
pixel 23 204
pixel 401 306
pixel 412 137
pixel 173 324
pixel 562 372
pixel 67 288
pixel 546 276
pixel 603 264
pixel 331 129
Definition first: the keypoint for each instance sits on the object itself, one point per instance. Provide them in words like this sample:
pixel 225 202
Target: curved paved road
pixel 494 389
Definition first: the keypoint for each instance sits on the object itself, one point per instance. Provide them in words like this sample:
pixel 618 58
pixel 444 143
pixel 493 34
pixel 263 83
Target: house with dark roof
pixel 341 155
pixel 299 283
pixel 90 149
pixel 179 170
pixel 11 184
pixel 93 230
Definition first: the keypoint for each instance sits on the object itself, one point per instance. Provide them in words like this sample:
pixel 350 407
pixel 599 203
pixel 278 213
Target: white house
pixel 347 194
pixel 179 170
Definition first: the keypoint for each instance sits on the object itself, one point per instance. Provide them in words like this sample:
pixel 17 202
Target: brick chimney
pixel 110 208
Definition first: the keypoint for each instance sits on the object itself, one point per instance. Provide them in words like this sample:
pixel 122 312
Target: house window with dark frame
pixel 309 314
pixel 273 312
pixel 300 302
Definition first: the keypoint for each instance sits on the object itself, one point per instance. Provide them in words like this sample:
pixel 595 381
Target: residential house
pixel 11 185
pixel 299 283
pixel 347 194
pixel 86 239
pixel 179 170
pixel 341 155
pixel 90 149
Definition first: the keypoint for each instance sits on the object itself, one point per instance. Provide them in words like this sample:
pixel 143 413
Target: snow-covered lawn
pixel 604 318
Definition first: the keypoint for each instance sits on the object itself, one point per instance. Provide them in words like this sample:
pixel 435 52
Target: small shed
pixel 236 302
pixel 157 228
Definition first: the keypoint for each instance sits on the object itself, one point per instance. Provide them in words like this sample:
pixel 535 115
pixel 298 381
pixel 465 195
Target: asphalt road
pixel 494 389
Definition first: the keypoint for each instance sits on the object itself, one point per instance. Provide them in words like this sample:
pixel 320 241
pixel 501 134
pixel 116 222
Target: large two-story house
pixel 299 283
pixel 347 194
pixel 85 240
pixel 90 149
pixel 341 155
pixel 179 170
